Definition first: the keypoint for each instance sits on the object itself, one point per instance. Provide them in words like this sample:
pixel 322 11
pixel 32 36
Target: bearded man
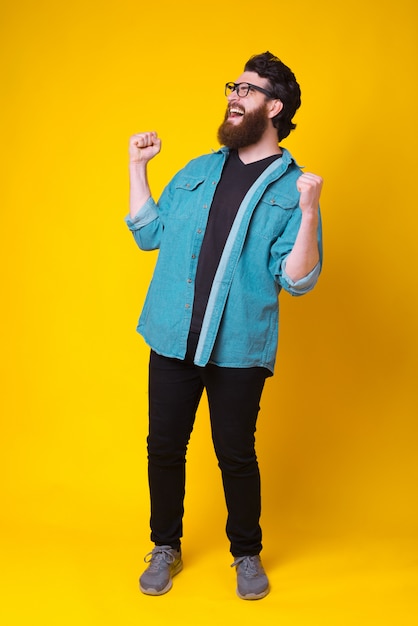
pixel 233 228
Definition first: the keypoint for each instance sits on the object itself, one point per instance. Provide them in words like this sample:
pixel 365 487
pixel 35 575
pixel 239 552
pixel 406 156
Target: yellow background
pixel 337 436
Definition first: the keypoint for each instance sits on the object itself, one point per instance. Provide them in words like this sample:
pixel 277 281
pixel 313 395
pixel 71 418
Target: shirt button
pixel 189 280
pixel 205 206
pixel 187 306
pixel 193 256
pixel 214 182
pixel 199 230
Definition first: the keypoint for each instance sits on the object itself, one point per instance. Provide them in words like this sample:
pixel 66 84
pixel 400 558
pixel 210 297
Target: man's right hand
pixel 143 147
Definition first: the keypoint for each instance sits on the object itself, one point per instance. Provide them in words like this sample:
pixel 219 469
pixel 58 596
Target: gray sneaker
pixel 164 563
pixel 252 582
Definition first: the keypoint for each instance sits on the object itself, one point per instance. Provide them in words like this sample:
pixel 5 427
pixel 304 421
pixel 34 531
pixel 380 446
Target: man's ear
pixel 274 107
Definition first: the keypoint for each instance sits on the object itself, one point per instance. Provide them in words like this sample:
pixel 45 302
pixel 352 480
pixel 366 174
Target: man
pixel 233 228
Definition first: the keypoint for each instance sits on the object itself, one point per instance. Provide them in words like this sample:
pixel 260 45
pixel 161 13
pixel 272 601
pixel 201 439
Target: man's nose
pixel 233 96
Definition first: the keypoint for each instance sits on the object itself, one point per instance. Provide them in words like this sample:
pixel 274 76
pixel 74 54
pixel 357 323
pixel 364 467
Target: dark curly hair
pixel 283 85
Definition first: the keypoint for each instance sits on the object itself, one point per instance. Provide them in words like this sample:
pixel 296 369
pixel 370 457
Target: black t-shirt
pixel 236 180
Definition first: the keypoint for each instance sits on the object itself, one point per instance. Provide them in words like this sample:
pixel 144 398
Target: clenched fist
pixel 309 186
pixel 143 147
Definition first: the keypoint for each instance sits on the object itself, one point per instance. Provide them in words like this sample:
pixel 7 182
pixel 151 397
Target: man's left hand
pixel 309 186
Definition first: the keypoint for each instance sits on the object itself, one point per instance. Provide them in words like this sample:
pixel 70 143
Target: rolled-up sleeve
pixel 146 214
pixel 145 226
pixel 303 285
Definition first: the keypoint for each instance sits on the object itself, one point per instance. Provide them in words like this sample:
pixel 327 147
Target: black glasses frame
pixel 238 87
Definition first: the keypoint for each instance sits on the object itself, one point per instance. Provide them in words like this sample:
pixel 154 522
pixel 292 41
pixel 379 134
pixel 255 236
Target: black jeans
pixel 175 389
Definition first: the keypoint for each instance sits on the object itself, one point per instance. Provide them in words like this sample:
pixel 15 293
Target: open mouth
pixel 235 111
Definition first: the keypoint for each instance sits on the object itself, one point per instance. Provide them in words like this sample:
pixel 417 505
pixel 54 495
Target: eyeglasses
pixel 243 89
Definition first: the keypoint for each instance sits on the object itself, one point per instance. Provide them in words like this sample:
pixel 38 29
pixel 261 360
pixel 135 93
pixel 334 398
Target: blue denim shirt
pixel 240 327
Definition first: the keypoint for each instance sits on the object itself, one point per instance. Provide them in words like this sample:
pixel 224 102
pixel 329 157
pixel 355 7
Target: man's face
pixel 246 117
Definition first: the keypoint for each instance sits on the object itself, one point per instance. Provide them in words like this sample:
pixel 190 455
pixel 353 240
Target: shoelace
pixel 249 564
pixel 157 555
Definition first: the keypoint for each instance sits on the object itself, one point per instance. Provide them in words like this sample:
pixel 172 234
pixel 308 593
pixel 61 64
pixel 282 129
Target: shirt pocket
pixel 187 190
pixel 273 213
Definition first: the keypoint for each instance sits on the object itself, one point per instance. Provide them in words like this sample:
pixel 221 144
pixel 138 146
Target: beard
pixel 248 132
